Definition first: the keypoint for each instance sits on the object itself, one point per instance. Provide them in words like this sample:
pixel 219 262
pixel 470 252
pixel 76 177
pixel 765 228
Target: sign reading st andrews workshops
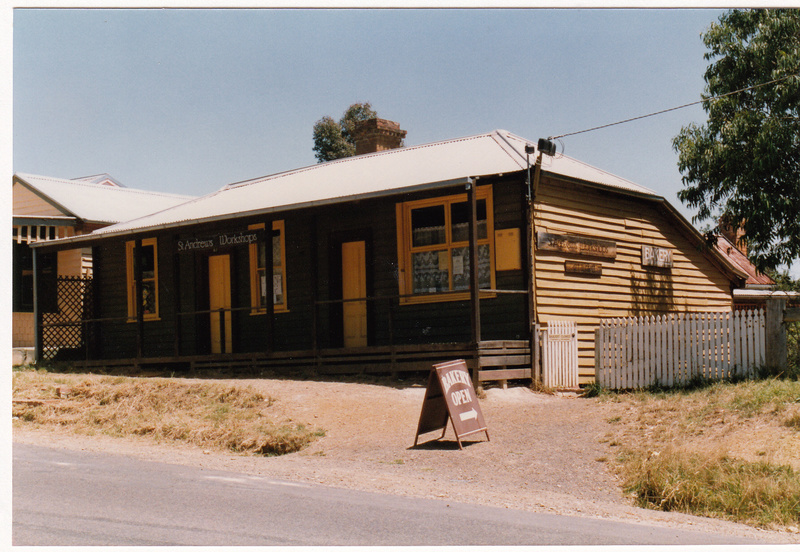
pixel 451 395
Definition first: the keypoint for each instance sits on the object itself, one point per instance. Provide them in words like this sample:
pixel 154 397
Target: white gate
pixel 560 355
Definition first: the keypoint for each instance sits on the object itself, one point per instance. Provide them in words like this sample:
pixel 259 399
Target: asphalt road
pixel 75 498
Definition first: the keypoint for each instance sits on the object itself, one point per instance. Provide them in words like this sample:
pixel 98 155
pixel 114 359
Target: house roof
pixel 102 178
pixel 387 172
pixel 734 255
pixel 97 203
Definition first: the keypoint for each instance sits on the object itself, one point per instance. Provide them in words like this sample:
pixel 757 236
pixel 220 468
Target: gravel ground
pixel 546 453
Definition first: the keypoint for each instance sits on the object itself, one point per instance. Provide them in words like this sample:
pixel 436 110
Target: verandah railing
pixel 85 324
pixel 671 350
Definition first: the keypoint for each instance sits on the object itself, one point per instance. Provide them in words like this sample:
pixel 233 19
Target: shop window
pixel 433 246
pixel 259 287
pixel 149 264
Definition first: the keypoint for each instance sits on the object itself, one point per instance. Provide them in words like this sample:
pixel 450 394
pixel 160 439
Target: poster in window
pixel 277 288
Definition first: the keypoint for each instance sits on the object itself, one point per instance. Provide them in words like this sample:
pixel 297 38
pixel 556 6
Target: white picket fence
pixel 560 355
pixel 670 350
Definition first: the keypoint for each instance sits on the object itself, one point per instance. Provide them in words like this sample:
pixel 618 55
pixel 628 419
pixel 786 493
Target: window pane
pixel 276 248
pixel 148 262
pixel 262 255
pixel 461 271
pixel 149 297
pixel 459 219
pixel 427 226
pixel 277 286
pixel 430 271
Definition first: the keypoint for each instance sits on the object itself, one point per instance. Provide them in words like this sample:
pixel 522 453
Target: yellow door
pixel 354 286
pixel 219 297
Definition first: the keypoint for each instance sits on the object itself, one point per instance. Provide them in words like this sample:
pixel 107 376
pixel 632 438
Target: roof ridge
pixel 352 158
pixel 84 183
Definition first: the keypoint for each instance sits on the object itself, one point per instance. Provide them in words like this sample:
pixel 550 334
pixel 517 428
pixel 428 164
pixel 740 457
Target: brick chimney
pixel 378 135
pixel 734 234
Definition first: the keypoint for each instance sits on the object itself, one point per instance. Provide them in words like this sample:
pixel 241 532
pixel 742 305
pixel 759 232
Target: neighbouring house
pixel 47 208
pixel 390 260
pixel 759 287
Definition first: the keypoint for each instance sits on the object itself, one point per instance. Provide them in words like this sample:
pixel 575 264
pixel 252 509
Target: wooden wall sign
pixel 577 267
pixel 450 394
pixel 656 256
pixel 213 243
pixel 577 245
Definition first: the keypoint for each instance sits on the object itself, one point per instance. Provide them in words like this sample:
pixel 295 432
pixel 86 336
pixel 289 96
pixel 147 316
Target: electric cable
pixel 714 98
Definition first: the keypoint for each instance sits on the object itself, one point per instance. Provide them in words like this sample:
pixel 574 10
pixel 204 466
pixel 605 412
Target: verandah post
pixel 176 292
pixel 137 278
pixel 270 292
pixel 37 311
pixel 475 311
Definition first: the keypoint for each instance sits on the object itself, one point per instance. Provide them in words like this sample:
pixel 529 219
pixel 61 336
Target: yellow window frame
pixel 405 249
pixel 130 246
pixel 255 276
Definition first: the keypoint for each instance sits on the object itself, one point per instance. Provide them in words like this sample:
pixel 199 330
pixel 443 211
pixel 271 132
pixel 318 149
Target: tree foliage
pixel 334 140
pixel 744 163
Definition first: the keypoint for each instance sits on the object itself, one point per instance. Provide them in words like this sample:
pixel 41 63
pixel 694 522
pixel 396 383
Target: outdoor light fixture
pixel 546 146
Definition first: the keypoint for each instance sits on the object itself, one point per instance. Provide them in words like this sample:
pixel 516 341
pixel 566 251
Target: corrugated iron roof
pixel 386 172
pixel 732 253
pixel 99 203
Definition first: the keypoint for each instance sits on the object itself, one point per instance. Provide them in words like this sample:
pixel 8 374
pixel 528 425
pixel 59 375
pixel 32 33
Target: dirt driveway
pixel 547 453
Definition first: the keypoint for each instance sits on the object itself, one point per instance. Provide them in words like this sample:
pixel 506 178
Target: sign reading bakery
pixel 577 245
pixel 220 241
pixel 656 256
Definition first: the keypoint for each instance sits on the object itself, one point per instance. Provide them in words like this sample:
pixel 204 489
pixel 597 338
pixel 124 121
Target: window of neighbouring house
pixel 433 246
pixel 259 287
pixel 22 283
pixel 149 267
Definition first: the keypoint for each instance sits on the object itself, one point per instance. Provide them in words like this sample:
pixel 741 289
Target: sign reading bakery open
pixel 451 395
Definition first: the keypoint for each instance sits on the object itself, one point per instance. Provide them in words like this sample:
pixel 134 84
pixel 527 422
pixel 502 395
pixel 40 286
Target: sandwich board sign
pixel 451 395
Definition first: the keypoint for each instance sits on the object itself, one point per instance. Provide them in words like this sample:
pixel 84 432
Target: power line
pixel 676 108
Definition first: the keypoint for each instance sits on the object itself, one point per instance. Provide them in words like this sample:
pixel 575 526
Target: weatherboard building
pixel 47 208
pixel 394 259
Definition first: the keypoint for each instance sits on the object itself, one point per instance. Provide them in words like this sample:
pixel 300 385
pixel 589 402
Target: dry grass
pixel 725 450
pixel 206 414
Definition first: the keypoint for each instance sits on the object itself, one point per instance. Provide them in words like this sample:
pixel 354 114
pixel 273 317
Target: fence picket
pixel 672 349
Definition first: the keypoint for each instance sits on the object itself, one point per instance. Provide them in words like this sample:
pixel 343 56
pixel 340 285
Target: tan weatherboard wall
pixel 28 203
pixel 22 336
pixel 625 288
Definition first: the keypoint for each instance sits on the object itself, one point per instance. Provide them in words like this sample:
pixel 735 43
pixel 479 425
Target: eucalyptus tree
pixel 743 164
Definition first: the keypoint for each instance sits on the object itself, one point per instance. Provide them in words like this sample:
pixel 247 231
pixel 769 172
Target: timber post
pixel 474 280
pixel 270 298
pixel 38 333
pixel 776 354
pixel 176 298
pixel 139 297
